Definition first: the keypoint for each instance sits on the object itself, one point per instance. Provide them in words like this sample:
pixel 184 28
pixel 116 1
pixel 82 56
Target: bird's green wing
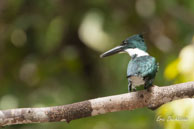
pixel 142 66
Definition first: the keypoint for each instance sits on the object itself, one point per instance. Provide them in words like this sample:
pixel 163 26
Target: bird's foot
pixel 134 89
pixel 148 88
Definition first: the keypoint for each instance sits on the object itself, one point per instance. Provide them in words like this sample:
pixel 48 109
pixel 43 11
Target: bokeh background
pixel 49 54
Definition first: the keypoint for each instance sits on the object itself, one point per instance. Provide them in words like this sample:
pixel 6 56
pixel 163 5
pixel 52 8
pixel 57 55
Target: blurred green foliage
pixel 49 53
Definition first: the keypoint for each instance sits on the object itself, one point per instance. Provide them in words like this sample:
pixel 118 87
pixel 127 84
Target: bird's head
pixel 132 45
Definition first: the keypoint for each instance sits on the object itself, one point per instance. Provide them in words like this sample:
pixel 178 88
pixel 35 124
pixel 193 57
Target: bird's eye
pixel 124 42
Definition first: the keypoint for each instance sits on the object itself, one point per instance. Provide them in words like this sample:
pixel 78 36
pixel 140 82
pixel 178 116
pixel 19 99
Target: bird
pixel 142 67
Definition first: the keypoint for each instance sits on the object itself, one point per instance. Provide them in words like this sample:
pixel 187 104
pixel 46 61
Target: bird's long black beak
pixel 113 51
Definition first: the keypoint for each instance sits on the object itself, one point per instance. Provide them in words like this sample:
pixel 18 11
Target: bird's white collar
pixel 135 51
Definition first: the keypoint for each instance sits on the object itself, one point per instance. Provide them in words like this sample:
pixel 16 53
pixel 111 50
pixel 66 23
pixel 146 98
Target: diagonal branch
pixel 155 97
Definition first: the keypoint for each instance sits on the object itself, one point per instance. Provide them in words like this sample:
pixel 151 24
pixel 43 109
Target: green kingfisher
pixel 142 67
